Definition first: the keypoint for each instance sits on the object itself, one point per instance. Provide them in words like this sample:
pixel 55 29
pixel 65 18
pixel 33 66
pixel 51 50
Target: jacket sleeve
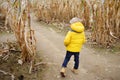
pixel 67 39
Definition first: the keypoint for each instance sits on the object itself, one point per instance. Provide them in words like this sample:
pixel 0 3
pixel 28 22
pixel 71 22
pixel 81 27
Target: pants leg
pixel 67 58
pixel 76 59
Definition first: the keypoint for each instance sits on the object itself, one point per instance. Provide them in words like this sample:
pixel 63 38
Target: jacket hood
pixel 77 27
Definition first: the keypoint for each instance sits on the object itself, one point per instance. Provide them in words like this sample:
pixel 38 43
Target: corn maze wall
pixel 19 19
pixel 102 16
pixel 106 28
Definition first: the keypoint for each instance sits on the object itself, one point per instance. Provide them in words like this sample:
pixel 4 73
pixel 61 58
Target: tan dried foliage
pixel 57 10
pixel 107 23
pixel 102 18
pixel 18 17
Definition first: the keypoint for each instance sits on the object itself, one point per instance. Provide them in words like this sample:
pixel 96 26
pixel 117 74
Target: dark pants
pixel 68 56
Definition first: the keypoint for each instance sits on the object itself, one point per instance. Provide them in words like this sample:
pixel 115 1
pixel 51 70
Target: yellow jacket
pixel 75 38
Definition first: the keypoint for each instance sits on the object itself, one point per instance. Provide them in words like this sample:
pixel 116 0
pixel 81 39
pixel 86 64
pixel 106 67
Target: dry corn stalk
pixel 18 17
pixel 106 21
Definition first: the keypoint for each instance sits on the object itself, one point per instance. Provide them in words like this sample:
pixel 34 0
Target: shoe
pixel 75 71
pixel 62 72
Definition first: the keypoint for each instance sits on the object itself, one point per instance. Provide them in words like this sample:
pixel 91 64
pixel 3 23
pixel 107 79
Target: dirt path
pixel 92 66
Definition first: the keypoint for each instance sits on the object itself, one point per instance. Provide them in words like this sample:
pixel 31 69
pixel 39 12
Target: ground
pixel 94 64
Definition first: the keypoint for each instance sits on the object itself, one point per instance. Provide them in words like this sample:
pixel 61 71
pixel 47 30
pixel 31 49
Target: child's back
pixel 75 38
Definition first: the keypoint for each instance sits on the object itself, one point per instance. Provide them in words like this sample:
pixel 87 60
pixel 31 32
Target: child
pixel 73 41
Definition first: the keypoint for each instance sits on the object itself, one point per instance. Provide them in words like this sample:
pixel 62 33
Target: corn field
pixel 19 19
pixel 102 16
pixel 107 23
